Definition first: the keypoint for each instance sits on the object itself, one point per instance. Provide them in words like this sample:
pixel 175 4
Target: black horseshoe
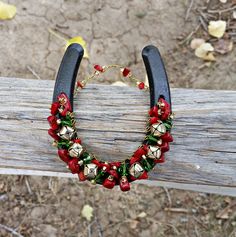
pixel 66 76
pixel 157 77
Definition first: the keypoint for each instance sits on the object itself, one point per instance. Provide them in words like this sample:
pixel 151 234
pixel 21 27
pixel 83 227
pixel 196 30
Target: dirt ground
pixel 116 32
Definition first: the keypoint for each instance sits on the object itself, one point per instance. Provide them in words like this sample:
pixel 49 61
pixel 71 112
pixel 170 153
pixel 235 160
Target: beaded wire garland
pixel 86 165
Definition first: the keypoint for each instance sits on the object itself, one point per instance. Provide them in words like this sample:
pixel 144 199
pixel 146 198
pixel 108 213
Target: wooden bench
pixel 202 157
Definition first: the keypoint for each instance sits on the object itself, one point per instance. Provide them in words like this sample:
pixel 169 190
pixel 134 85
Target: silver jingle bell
pixel 158 129
pixel 154 152
pixel 75 150
pixel 136 170
pixel 67 133
pixel 90 171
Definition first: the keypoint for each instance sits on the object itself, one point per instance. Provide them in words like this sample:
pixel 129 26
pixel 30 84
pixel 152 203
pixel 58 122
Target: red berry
pixel 125 72
pixel 141 85
pixel 79 84
pixel 98 68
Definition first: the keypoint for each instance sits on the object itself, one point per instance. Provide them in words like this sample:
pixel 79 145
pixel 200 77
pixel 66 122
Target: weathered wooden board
pixel 111 123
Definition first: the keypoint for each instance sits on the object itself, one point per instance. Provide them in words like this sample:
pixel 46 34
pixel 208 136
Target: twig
pixel 89 229
pixel 10 230
pixel 203 23
pixel 177 210
pixel 189 36
pixel 28 185
pixel 221 11
pixel 168 196
pixel 33 72
pixel 188 10
pixel 100 234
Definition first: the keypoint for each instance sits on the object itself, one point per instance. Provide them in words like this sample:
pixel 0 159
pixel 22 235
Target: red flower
pixel 153 111
pixel 114 174
pixel 153 120
pixel 134 159
pixel 77 140
pixel 65 104
pixel 54 108
pixel 53 134
pixel 144 175
pixel 124 184
pixel 167 137
pixel 141 151
pixel 52 120
pixel 160 160
pixel 109 182
pixel 63 154
pixel 165 147
pixel 81 176
pixel 74 166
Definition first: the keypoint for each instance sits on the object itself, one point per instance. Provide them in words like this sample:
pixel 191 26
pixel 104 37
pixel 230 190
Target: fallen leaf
pixel 133 224
pixel 205 51
pixel 78 40
pixel 87 212
pixel 142 215
pixel 196 42
pixel 7 11
pixel 223 1
pixel 223 46
pixel 217 28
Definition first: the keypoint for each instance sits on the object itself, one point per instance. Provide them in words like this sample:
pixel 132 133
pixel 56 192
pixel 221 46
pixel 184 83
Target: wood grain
pixel 111 123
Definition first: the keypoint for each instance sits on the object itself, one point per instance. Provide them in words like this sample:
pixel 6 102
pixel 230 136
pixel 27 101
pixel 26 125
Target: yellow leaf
pixel 217 28
pixel 204 51
pixel 7 11
pixel 196 42
pixel 87 212
pixel 78 40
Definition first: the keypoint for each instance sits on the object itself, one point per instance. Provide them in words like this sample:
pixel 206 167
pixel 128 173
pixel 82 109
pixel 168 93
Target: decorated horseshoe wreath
pixel 64 132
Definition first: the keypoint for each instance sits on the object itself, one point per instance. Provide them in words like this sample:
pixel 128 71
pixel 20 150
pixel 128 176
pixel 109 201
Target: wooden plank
pixel 111 123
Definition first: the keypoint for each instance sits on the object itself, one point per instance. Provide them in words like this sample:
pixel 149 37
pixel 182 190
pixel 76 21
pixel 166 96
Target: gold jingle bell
pixel 90 171
pixel 136 170
pixel 75 150
pixel 158 129
pixel 67 133
pixel 154 152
